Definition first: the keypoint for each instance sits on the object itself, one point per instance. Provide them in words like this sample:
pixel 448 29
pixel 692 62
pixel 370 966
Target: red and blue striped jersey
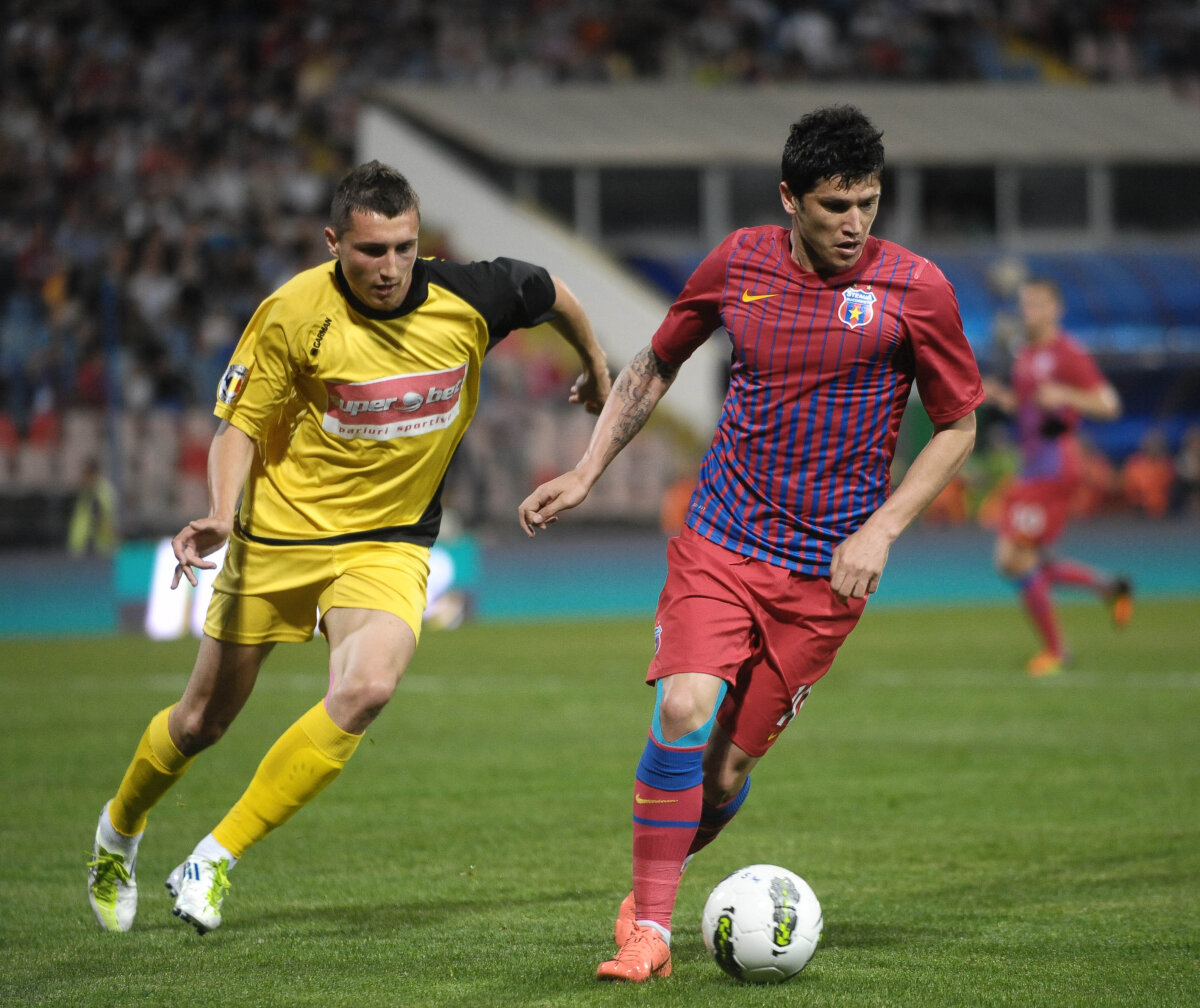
pixel 1048 449
pixel 821 369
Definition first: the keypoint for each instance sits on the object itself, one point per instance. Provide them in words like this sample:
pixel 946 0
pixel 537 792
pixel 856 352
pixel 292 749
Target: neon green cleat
pixel 112 886
pixel 200 887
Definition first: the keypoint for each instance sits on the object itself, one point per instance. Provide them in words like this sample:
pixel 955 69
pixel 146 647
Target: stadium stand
pixel 164 167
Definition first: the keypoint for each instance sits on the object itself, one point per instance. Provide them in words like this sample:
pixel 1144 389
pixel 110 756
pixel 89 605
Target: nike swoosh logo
pixel 747 297
pixel 654 801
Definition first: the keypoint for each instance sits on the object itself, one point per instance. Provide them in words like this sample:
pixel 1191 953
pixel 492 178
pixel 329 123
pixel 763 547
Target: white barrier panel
pixel 172 613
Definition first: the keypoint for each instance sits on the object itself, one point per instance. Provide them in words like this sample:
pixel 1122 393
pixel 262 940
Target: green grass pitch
pixel 976 838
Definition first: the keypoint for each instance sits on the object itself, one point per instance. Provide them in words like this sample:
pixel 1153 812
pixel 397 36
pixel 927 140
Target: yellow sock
pixel 156 765
pixel 302 762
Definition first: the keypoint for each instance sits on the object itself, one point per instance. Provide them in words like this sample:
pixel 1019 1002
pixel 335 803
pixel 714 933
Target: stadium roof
pixel 642 125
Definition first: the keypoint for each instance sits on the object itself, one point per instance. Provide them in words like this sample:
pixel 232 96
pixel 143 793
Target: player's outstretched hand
pixel 197 540
pixel 541 507
pixel 591 389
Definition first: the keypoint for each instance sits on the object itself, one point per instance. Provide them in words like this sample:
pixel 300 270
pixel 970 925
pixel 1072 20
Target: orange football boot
pixel 626 919
pixel 643 955
pixel 1044 663
pixel 1120 601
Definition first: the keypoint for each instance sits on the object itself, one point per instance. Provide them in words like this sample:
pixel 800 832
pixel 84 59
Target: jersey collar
pixel 418 291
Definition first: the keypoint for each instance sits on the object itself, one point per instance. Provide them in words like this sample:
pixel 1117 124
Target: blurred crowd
pixel 164 166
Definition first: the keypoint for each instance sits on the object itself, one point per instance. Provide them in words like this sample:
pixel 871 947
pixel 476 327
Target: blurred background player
pixel 340 411
pixel 1055 383
pixel 793 516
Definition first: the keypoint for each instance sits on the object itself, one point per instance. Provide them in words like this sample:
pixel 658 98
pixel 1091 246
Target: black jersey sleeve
pixel 509 293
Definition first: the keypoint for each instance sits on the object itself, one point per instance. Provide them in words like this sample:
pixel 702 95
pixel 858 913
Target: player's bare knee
pixel 1007 569
pixel 193 732
pixel 1015 560
pixel 724 774
pixel 1016 566
pixel 723 786
pixel 365 698
pixel 680 712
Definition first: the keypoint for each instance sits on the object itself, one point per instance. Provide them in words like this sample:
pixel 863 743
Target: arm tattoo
pixel 632 387
pixel 647 362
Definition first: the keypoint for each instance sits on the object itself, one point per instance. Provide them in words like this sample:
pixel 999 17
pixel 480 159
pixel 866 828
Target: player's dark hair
pixel 373 188
pixel 836 142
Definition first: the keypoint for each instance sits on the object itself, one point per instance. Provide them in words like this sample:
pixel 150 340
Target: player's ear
pixel 789 201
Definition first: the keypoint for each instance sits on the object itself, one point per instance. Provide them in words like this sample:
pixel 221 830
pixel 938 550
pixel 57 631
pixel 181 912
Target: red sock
pixel 1076 574
pixel 1035 592
pixel 664 823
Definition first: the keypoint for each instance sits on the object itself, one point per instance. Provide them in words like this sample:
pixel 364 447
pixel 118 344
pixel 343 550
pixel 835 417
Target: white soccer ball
pixel 762 924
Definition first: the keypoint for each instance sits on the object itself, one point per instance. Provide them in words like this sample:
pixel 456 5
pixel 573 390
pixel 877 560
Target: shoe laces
pixel 108 869
pixel 220 883
pixel 641 945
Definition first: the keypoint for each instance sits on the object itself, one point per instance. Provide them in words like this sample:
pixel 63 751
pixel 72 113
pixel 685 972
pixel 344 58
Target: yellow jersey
pixel 356 412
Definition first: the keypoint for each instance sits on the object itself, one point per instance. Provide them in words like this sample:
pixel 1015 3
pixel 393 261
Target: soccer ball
pixel 762 924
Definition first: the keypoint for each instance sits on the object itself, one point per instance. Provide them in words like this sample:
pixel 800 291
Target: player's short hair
pixel 372 188
pixel 835 142
pixel 1048 284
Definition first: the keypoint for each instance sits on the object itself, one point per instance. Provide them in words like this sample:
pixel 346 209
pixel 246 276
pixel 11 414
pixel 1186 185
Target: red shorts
pixel 1036 511
pixel 770 633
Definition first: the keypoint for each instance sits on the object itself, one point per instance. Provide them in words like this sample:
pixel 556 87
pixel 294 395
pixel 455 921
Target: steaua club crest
pixel 857 307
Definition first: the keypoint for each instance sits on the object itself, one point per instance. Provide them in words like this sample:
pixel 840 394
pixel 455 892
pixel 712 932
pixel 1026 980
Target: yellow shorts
pixel 275 593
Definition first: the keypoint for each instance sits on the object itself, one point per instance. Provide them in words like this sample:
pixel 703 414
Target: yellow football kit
pixel 356 414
